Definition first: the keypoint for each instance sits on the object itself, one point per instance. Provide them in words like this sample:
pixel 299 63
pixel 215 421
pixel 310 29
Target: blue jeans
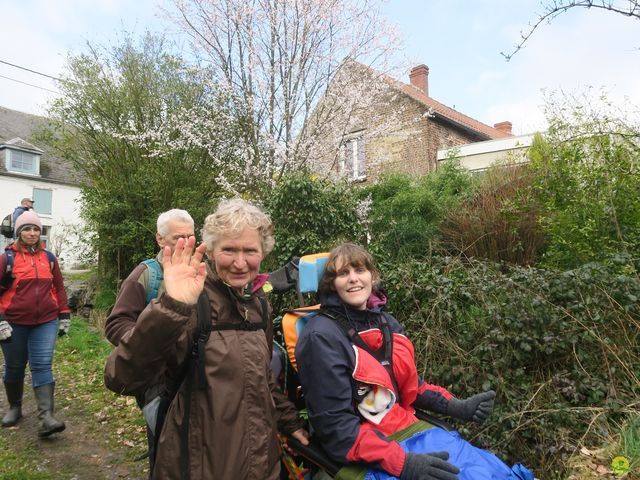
pixel 32 343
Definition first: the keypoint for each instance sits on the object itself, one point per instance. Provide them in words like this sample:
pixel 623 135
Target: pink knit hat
pixel 27 218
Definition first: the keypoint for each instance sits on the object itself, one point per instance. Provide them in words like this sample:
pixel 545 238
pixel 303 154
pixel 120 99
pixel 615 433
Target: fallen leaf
pixel 586 452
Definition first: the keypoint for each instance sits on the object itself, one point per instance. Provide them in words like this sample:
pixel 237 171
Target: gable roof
pixel 22 145
pixel 452 115
pixel 440 110
pixel 17 130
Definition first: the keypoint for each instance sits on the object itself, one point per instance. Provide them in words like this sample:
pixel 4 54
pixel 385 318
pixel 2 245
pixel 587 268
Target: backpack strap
pixel 8 277
pixel 9 261
pixel 195 363
pixel 51 257
pixel 384 355
pixel 203 308
pixel 155 278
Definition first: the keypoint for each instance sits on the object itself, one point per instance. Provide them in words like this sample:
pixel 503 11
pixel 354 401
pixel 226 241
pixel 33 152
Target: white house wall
pixel 481 155
pixel 64 210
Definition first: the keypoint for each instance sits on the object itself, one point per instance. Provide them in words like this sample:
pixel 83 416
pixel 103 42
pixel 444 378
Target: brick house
pixel 368 123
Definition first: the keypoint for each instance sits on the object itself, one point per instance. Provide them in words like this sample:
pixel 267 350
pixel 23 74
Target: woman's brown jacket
pixel 233 422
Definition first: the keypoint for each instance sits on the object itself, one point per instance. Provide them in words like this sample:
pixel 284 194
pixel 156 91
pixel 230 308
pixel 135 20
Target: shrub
pixel 498 221
pixel 560 349
pixel 405 212
pixel 588 181
pixel 311 215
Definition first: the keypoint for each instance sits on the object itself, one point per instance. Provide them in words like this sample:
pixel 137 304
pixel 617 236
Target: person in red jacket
pixel 32 301
pixel 361 385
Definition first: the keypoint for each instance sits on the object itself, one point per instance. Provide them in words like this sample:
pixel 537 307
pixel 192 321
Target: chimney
pixel 419 78
pixel 504 127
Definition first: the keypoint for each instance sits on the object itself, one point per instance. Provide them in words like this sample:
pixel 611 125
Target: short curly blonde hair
pixel 231 218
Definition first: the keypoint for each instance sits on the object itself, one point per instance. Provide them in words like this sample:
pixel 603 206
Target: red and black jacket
pixel 330 370
pixel 36 294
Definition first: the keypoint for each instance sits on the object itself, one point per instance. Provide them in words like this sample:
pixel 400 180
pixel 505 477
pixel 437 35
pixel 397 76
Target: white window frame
pixel 45 235
pixel 38 192
pixel 11 152
pixel 352 167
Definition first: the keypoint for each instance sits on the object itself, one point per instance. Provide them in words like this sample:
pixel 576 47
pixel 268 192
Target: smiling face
pixel 353 284
pixel 237 258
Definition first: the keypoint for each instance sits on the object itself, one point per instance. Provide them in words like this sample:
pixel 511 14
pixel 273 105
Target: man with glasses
pixel 144 284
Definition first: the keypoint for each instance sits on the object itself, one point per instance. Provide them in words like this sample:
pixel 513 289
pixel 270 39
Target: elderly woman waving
pixel 229 429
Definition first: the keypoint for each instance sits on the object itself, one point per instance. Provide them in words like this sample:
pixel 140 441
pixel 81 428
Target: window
pixel 44 235
pixel 353 163
pixel 20 161
pixel 42 201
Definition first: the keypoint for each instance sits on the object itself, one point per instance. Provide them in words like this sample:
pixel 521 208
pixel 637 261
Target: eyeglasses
pixel 175 238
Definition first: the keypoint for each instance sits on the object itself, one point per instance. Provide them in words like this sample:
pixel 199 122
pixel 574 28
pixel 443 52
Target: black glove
pixel 285 278
pixel 476 408
pixel 428 466
pixel 64 323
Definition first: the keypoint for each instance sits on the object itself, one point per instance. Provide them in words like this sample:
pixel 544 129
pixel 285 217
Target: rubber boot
pixel 44 399
pixel 14 396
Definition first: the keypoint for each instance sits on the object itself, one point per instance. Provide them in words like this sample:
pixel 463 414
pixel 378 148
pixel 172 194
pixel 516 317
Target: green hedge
pixel 560 349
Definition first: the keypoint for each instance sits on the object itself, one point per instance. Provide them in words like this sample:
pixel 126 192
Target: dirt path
pixel 81 452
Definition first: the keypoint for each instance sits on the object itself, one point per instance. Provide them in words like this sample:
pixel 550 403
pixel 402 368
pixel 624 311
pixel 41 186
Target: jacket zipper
pixel 35 267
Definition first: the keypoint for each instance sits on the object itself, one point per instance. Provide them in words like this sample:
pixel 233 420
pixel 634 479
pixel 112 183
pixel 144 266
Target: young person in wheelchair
pixel 361 385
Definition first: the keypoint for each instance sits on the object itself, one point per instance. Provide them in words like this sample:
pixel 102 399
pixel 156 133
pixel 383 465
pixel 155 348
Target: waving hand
pixel 184 270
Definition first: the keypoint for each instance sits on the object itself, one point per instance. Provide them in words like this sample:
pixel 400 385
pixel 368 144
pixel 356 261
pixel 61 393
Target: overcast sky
pixel 460 41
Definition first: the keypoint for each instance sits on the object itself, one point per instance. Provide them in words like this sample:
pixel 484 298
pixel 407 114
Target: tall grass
pixel 499 221
pixel 630 443
pixel 110 422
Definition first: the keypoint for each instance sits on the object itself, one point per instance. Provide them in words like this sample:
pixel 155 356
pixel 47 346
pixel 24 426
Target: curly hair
pixel 352 255
pixel 231 218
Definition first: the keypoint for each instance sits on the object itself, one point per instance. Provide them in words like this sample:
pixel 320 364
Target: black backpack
pixel 6 228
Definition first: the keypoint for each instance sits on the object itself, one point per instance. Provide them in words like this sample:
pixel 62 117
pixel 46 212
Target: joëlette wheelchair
pixel 304 274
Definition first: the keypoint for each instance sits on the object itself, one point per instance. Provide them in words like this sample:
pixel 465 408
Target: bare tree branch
pixel 629 8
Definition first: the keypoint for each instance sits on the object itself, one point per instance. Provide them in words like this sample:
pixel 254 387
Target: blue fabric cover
pixel 310 273
pixel 474 463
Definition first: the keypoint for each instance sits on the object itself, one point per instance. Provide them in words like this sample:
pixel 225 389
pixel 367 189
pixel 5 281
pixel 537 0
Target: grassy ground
pixel 619 458
pixel 105 432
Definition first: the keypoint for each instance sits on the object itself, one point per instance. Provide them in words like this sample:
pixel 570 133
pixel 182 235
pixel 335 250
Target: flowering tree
pixel 145 133
pixel 278 57
pixel 352 116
